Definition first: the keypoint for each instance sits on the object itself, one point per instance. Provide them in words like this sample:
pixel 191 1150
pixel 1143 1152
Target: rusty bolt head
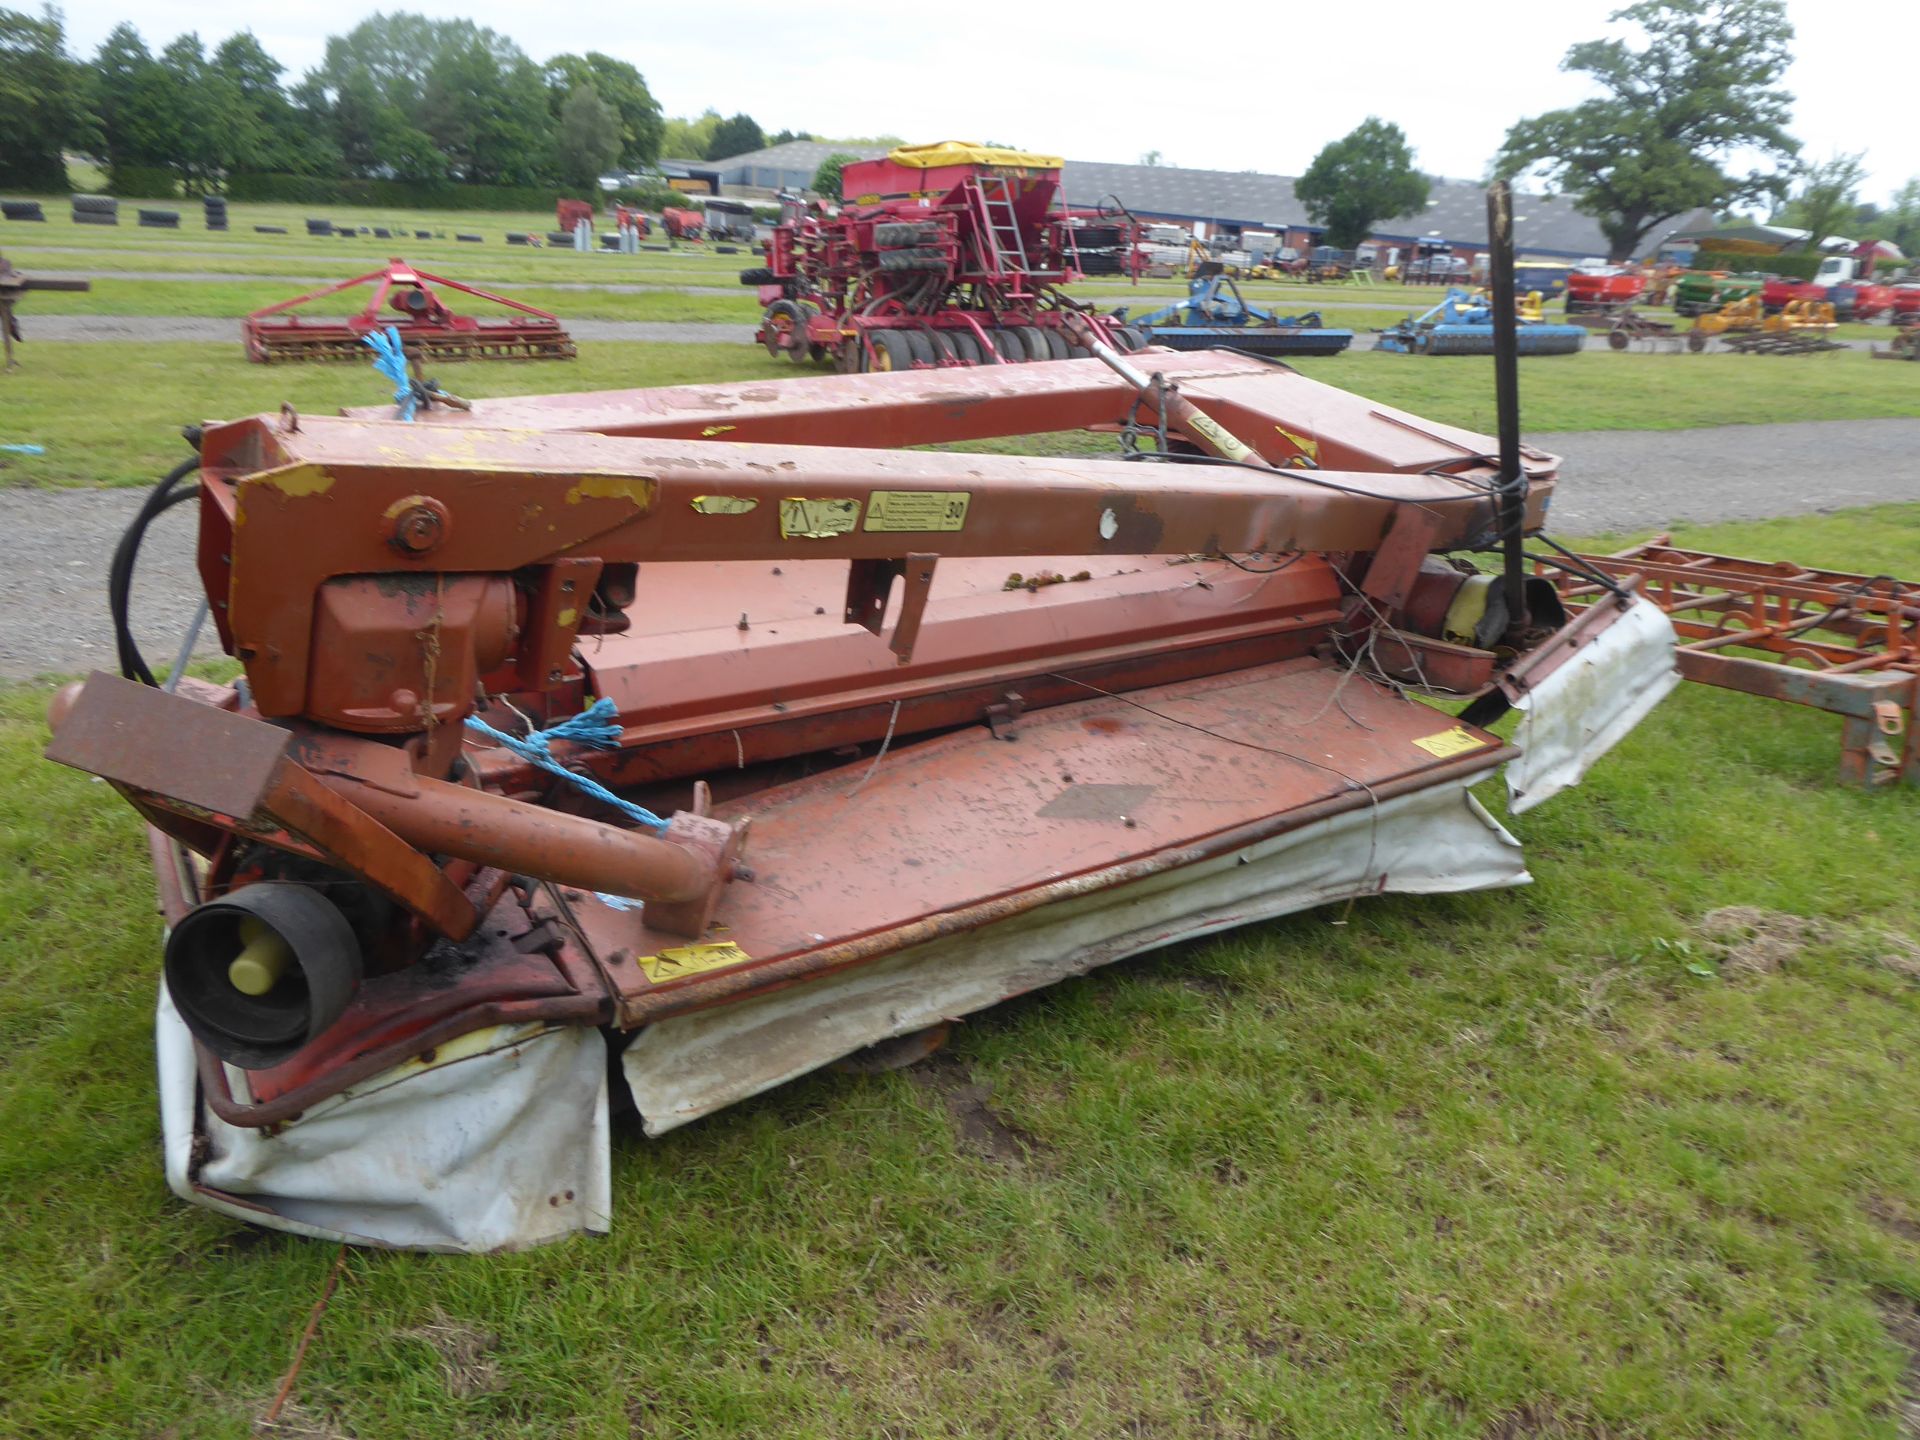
pixel 417 524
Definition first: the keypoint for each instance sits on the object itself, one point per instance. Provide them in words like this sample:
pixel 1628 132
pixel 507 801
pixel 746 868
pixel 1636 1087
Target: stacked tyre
pixel 909 245
pixel 96 210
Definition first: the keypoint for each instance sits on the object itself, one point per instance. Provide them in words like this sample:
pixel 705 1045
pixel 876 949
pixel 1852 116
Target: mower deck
pixel 729 726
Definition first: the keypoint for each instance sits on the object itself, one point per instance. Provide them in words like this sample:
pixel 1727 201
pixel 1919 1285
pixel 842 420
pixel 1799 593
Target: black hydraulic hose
pixel 162 497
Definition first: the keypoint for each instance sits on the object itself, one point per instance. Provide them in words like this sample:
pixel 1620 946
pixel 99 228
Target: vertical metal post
pixel 1506 393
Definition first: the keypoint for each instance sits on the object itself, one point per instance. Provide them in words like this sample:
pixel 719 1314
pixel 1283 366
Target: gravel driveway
pixel 53 607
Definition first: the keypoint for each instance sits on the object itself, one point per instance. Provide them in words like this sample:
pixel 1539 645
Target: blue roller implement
pixel 1215 316
pixel 1463 325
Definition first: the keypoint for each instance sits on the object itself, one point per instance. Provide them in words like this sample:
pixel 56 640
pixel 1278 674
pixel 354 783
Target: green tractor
pixel 1700 292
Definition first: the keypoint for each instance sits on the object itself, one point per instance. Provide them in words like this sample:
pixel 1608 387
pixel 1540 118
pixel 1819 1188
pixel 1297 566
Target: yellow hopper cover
pixel 964 152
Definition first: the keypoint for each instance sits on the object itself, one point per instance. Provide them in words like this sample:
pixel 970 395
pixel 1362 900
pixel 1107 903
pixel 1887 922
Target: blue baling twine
pixel 593 726
pixel 391 361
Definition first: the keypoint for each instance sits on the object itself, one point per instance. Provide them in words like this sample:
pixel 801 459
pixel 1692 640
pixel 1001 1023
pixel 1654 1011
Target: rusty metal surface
pixel 518 499
pixel 150 740
pixel 1251 397
pixel 1833 640
pixel 876 848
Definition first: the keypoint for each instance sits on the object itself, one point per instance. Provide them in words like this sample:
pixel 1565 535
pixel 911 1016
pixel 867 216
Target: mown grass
pixel 232 299
pixel 1532 1163
pixel 343 260
pixel 109 414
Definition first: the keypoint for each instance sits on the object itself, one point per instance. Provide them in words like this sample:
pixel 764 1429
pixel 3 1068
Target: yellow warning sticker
pixel 1448 743
pixel 817 519
pixel 723 504
pixel 921 510
pixel 1223 440
pixel 691 960
pixel 712 430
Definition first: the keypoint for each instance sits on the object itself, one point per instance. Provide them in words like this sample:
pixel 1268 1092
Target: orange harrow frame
pixel 404 298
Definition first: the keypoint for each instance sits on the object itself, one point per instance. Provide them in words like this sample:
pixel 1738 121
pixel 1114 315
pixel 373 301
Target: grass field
pixel 1529 1164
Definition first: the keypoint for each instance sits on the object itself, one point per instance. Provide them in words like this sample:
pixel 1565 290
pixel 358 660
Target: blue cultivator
pixel 1214 315
pixel 1462 324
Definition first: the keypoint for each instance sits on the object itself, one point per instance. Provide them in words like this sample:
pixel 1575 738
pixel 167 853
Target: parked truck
pixel 1842 281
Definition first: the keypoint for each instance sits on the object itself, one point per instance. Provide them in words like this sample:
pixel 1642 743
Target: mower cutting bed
pixel 715 725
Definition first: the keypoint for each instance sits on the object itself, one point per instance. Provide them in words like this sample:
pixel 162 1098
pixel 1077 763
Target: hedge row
pixel 142 182
pixel 1790 267
pixel 396 194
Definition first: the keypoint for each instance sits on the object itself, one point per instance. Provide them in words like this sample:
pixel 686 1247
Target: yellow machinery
pixel 1801 315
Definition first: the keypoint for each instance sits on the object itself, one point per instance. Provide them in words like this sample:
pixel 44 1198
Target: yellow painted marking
pixel 1448 743
pixel 297 482
pixel 804 519
pixel 1305 444
pixel 567 617
pixel 691 960
pixel 711 430
pixel 639 490
pixel 918 510
pixel 724 504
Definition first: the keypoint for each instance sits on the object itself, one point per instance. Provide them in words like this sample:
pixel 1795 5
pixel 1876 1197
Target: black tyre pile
pixel 909 245
pixel 1011 345
pixel 1102 249
pixel 23 210
pixel 96 210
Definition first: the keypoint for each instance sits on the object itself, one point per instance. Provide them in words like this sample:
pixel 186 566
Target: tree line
pixel 1691 117
pixel 1688 114
pixel 400 96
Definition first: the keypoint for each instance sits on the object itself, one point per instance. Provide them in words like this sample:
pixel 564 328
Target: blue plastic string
pixel 594 726
pixel 391 361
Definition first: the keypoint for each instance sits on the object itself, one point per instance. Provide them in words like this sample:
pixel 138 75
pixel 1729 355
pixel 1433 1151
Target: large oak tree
pixel 1673 115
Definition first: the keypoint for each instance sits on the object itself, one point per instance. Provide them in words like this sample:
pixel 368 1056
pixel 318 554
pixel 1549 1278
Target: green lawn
pixel 231 299
pixel 1535 1163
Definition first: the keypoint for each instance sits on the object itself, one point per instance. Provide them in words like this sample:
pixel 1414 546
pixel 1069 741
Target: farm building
pixel 1226 202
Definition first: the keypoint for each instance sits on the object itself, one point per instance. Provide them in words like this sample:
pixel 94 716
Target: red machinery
pixel 1602 289
pixel 404 298
pixel 683 224
pixel 626 217
pixel 400 944
pixel 569 213
pixel 1843 281
pixel 941 255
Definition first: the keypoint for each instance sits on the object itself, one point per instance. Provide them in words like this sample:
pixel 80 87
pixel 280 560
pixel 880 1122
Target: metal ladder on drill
pixel 1006 251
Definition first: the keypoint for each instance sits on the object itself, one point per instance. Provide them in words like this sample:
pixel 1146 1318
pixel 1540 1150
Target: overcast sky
pixel 1246 86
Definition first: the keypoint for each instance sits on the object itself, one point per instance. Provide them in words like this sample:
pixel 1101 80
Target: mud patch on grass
pixel 981 1128
pixel 1901 1316
pixel 1750 940
pixel 297 1422
pixel 1538 1421
pixel 465 1355
pixel 1753 941
pixel 1900 954
pixel 1892 1218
